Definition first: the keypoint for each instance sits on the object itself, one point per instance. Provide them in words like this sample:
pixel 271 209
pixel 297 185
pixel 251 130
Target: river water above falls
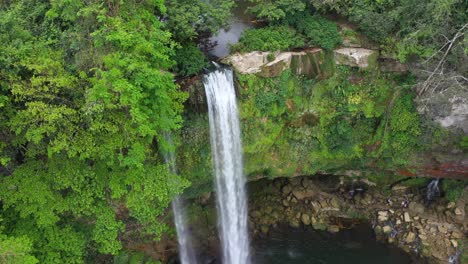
pixel 240 21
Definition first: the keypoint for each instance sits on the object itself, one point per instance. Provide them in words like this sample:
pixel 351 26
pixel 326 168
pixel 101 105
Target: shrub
pixel 453 189
pixel 268 39
pixel 189 61
pixel 317 30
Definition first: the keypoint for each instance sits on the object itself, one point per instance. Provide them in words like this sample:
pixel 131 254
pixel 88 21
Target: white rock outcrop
pixel 272 64
pixel 356 57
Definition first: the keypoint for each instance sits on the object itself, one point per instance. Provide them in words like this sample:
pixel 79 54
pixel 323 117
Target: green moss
pixel 453 189
pixel 297 126
pixel 464 143
pixel 194 152
pixel 415 182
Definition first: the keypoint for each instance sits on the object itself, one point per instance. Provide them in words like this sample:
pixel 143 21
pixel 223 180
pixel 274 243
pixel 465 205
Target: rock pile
pixel 435 231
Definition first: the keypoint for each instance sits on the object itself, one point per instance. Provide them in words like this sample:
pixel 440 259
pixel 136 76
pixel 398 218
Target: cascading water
pixel 186 252
pixel 433 190
pixel 227 159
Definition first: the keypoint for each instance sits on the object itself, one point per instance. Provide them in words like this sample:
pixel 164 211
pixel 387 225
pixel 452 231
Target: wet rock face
pixel 457 114
pixel 272 64
pixel 356 57
pixel 448 106
pixel 433 231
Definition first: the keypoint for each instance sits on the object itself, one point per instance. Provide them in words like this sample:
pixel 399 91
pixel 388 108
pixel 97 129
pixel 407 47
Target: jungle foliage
pixel 403 27
pixel 297 126
pixel 85 96
pixel 268 39
pixel 298 31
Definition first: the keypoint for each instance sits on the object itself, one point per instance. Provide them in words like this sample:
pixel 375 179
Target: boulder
pixel 410 237
pixel 416 208
pixel 303 193
pixel 305 219
pixel 442 229
pixel 294 223
pixel 387 229
pixel 382 216
pixel 286 189
pixel 392 65
pixel 333 229
pixel 454 243
pixel 356 57
pixel 407 217
pixel 271 64
pixel 398 188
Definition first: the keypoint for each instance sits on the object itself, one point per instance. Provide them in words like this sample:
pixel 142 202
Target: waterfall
pixel 227 160
pixel 432 190
pixel 186 252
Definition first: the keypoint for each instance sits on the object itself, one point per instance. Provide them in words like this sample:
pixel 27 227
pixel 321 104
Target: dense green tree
pixel 16 250
pixel 190 60
pixel 405 27
pixel 85 95
pixel 190 19
pixel 269 39
pixel 276 10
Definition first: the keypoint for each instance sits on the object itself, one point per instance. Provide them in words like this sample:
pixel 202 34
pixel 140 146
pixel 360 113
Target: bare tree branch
pixel 442 61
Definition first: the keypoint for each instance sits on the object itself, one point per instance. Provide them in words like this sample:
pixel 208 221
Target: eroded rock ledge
pixel 399 217
pixel 271 64
pixel 310 62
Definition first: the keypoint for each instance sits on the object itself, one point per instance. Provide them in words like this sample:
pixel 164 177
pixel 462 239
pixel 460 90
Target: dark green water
pixel 305 245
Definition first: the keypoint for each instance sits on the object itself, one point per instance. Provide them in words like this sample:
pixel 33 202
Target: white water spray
pixel 227 159
pixel 186 252
pixel 433 190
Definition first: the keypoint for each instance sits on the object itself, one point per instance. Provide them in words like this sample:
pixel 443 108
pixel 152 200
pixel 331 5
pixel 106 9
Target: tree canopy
pixel 85 95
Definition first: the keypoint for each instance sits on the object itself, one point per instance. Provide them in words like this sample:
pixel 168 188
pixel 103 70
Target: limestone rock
pixel 416 207
pixel 305 219
pixel 356 57
pixel 272 64
pixel 382 216
pixel 442 229
pixel 407 217
pixel 306 183
pixel 301 194
pixel 457 235
pixel 392 65
pixel 398 188
pixel 286 189
pixel 387 229
pixel 410 237
pixel 334 229
pixel 294 223
pixel 458 211
pixel 334 203
pixel 454 243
